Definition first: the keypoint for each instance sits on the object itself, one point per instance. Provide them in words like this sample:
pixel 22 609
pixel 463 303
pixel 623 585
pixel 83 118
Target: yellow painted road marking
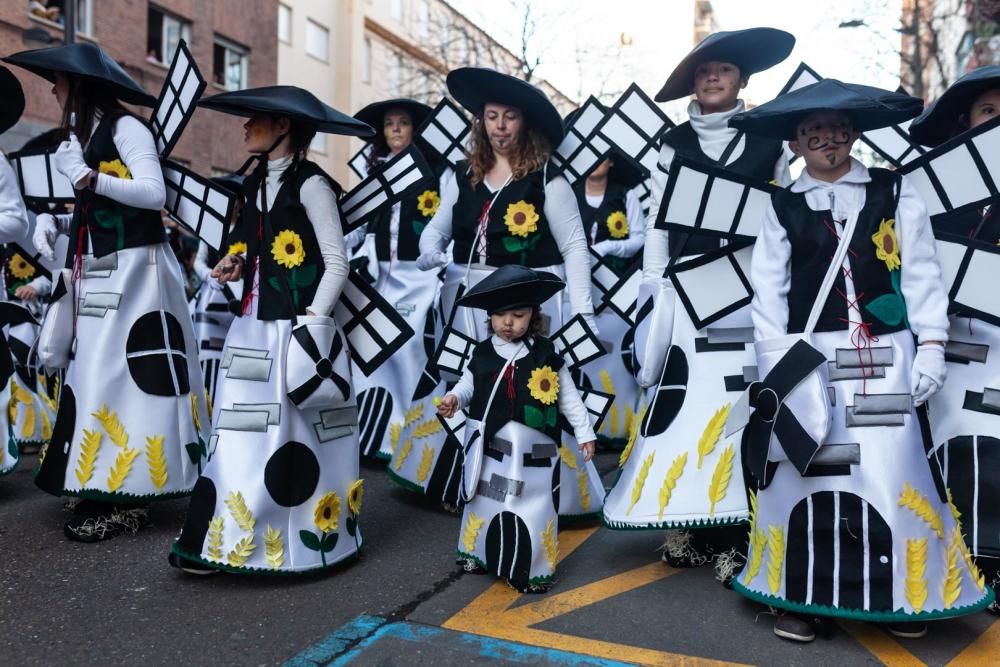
pixel 985 650
pixel 877 642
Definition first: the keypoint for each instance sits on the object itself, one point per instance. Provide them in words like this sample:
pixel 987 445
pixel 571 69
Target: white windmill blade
pixel 597 403
pixel 644 192
pixel 39 180
pixel 800 78
pixel 446 130
pixel 712 200
pixel 454 352
pixel 384 188
pixel 359 163
pixel 959 174
pixel 577 343
pixel 714 284
pixel 623 296
pixel 581 150
pixel 634 125
pixel 374 330
pixel 178 98
pixel 969 268
pixel 602 276
pixel 197 204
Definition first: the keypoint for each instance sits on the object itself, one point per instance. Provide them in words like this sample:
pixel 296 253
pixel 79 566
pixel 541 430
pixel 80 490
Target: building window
pixel 424 19
pixel 54 11
pixel 395 74
pixel 163 33
pixel 396 9
pixel 285 24
pixel 317 40
pixel 318 144
pixel 229 64
pixel 366 61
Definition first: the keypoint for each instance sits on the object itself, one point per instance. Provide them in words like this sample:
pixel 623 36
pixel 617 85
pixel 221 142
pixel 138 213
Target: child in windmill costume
pixel 514 388
pixel 679 473
pixel 502 206
pixel 131 401
pixel 391 248
pixel 13 225
pixel 281 493
pixel 850 517
pixel 966 432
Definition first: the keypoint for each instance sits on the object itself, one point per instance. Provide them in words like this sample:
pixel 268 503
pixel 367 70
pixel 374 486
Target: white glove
pixel 928 372
pixel 70 162
pixel 430 261
pixel 603 248
pixel 44 237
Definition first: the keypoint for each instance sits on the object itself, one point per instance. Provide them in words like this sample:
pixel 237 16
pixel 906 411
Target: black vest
pixel 813 246
pixel 415 212
pixel 756 162
pixel 110 225
pixel 486 365
pixel 284 290
pixel 613 204
pixel 503 246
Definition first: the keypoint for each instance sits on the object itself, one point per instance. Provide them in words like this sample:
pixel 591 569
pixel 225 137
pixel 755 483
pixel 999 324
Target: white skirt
pixel 212 318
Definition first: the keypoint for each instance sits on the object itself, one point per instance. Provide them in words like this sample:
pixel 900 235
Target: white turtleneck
pixel 714 135
pixel 570 403
pixel 320 203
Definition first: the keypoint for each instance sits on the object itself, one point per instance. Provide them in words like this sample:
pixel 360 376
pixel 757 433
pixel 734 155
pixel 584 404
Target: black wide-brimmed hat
pixel 942 120
pixel 12 105
pixel 86 61
pixel 752 50
pixel 623 171
pixel 291 101
pixel 869 108
pixel 512 286
pixel 233 183
pixel 374 113
pixel 475 87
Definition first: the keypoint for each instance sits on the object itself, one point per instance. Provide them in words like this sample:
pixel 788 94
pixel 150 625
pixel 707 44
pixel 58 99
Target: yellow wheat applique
pixel 427 428
pixel 112 426
pixel 404 452
pixel 22 394
pixel 954 510
pixel 775 556
pixel 89 444
pixel 413 414
pixel 241 552
pixel 919 505
pixel 670 481
pixel 953 579
pixel 156 461
pixel 583 484
pixel 567 456
pixel 240 512
pixel 609 388
pixel 28 427
pixel 974 572
pixel 208 404
pixel 426 458
pixel 640 481
pixel 720 479
pixel 51 403
pixel 550 542
pixel 215 538
pixel 633 435
pixel 46 425
pixel 12 410
pixel 629 418
pixel 472 525
pixel 121 468
pixel 274 551
pixel 195 417
pixel 758 543
pixel 712 433
pixel 916 566
pixel 395 430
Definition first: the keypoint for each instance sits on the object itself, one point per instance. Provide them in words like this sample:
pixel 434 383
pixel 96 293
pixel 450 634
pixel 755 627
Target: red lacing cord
pixel 255 286
pixel 481 225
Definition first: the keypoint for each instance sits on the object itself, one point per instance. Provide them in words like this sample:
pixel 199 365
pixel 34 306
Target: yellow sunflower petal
pixel 617 225
pixel 521 218
pixel 114 168
pixel 326 516
pixel 428 202
pixel 287 249
pixel 544 385
pixel 20 268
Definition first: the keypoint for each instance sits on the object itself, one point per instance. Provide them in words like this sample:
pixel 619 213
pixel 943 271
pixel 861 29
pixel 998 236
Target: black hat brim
pixel 942 120
pixel 475 87
pixel 13 99
pixel 868 107
pixel 752 50
pixel 374 113
pixel 88 62
pixel 233 183
pixel 512 286
pixel 291 101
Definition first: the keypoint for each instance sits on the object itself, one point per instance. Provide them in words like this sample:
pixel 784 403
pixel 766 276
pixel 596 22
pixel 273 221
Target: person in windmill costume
pixel 615 228
pixel 132 400
pixel 281 492
pixel 501 206
pixel 13 226
pixel 511 471
pixel 850 518
pixel 965 433
pixel 389 252
pixel 677 451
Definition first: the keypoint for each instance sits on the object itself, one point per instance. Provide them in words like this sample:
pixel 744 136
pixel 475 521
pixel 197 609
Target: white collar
pixel 857 175
pixel 706 125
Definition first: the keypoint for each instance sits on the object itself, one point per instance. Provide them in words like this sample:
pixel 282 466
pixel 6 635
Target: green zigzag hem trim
pixel 861 614
pixel 577 519
pixel 222 567
pixel 671 525
pixel 405 483
pixel 10 469
pixel 92 494
pixel 534 581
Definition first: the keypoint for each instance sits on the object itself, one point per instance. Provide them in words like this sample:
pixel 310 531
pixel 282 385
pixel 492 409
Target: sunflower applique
pixel 238 248
pixel 287 249
pixel 114 168
pixel 327 513
pixel 544 385
pixel 889 308
pixel 21 268
pixel 354 495
pixel 428 202
pixel 617 225
pixel 886 244
pixel 521 219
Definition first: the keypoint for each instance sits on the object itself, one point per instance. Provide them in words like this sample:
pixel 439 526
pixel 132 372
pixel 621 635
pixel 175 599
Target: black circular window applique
pixel 157 356
pixel 291 474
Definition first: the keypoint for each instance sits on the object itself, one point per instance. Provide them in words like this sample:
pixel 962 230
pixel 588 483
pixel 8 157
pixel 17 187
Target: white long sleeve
pixel 920 273
pixel 563 216
pixel 627 247
pixel 320 202
pixel 771 278
pixel 138 151
pixel 201 267
pixel 13 216
pixel 437 233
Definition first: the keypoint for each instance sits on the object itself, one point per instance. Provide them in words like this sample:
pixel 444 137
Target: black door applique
pixel 199 515
pixel 669 398
pixel 508 548
pixel 628 351
pixel 375 409
pixel 157 355
pixel 446 479
pixel 51 475
pixel 556 484
pixel 971 463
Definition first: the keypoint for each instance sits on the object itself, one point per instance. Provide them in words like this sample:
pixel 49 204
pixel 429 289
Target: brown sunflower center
pixel 290 248
pixel 544 385
pixel 887 244
pixel 519 218
pixel 326 512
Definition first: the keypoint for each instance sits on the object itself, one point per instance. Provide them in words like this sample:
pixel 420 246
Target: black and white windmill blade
pixel 397 179
pixel 454 352
pixel 968 270
pixel 446 130
pixel 634 125
pixel 581 150
pixel 374 330
pixel 714 284
pixel 359 163
pixel 624 294
pixel 577 343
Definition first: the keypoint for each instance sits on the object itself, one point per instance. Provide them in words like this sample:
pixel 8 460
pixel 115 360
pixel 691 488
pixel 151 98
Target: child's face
pixel 984 108
pixel 511 324
pixel 824 140
pixel 717 86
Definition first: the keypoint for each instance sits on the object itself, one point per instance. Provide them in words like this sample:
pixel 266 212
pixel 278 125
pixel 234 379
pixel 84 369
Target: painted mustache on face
pixel 816 143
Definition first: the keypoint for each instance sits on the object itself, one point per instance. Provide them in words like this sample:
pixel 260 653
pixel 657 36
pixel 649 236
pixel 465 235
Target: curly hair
pixel 531 151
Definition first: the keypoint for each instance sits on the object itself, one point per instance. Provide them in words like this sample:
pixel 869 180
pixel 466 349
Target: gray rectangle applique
pixel 838 454
pixel 339 417
pixel 837 374
pixel 213 442
pixel 873 356
pixel 882 404
pixel 858 420
pixel 965 352
pixel 729 335
pixel 242 352
pixel 243 420
pixel 330 434
pixel 506 485
pixel 97 304
pixel 831 393
pixel 487 491
pixel 750 374
pixel 247 368
pixel 99 267
pixel 503 446
pixel 544 450
pixel 991 398
pixel 273 410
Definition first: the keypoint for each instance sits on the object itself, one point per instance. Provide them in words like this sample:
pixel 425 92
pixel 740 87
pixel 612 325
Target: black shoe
pixel 907 630
pixel 794 628
pixel 95 522
pixel 189 566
